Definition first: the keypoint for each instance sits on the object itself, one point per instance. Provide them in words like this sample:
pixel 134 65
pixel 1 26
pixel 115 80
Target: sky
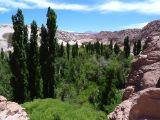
pixel 85 15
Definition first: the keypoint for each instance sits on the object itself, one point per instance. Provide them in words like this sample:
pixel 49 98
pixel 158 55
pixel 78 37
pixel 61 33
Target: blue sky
pixel 85 15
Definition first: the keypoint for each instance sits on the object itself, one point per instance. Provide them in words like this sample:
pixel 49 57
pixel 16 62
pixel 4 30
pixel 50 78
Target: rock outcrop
pixel 146 67
pixel 11 110
pixel 6 32
pixel 141 98
pixel 144 105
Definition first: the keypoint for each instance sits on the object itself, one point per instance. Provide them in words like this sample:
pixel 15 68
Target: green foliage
pixel 116 49
pixel 43 59
pixel 5 76
pixel 62 50
pixel 52 109
pixel 68 50
pixel 33 63
pixel 126 47
pixel 18 59
pixel 2 54
pixel 137 47
pixel 52 42
pixel 88 79
pixel 111 45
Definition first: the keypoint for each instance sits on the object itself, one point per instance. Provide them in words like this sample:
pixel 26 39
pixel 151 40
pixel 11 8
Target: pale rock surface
pixel 11 110
pixel 143 105
pixel 141 97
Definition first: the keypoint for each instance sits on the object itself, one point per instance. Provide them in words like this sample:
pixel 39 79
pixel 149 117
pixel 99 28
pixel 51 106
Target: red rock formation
pixel 144 105
pixel 141 97
pixel 11 110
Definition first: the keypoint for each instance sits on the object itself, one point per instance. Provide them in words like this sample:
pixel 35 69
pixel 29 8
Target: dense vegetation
pixel 89 77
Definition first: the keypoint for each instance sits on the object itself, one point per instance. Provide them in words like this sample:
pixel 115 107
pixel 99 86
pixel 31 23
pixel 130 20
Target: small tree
pixel 62 50
pixel 135 49
pixel 139 46
pixel 76 49
pixel 111 45
pixel 126 47
pixel 2 54
pixel 68 50
pixel 116 49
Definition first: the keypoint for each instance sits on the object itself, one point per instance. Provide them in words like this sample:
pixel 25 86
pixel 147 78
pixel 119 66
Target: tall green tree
pixel 52 42
pixel 97 47
pixel 44 60
pixel 102 48
pixel 139 46
pixel 76 49
pixel 18 59
pixel 111 45
pixel 2 53
pixel 116 49
pixel 33 63
pixel 68 50
pixel 73 51
pixel 126 47
pixel 135 49
pixel 61 50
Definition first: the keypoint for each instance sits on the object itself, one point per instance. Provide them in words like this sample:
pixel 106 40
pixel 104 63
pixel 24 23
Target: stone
pixel 143 105
pixel 11 110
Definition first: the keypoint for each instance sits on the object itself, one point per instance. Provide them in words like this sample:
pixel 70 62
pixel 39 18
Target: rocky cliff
pixel 11 110
pixel 73 37
pixel 141 97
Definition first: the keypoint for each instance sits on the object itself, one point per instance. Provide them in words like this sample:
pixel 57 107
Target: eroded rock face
pixel 146 67
pixel 141 97
pixel 143 105
pixel 11 110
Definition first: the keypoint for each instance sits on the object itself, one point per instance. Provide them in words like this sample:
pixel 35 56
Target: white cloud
pixel 137 25
pixel 40 4
pixel 3 9
pixel 62 6
pixel 145 6
pixel 13 4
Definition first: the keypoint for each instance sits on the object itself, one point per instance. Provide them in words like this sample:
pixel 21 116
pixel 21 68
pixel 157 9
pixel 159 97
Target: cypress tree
pixel 126 47
pixel 52 42
pixel 139 46
pixel 135 49
pixel 97 47
pixel 73 51
pixel 33 63
pixel 18 60
pixel 111 45
pixel 76 49
pixel 68 50
pixel 2 54
pixel 116 49
pixel 101 48
pixel 44 59
pixel 62 50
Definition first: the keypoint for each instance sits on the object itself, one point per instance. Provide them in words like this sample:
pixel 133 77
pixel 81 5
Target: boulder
pixel 143 105
pixel 11 110
pixel 128 92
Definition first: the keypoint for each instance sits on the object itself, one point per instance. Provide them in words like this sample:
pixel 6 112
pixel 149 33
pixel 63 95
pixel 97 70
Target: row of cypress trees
pixel 99 47
pixel 29 63
pixel 33 67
